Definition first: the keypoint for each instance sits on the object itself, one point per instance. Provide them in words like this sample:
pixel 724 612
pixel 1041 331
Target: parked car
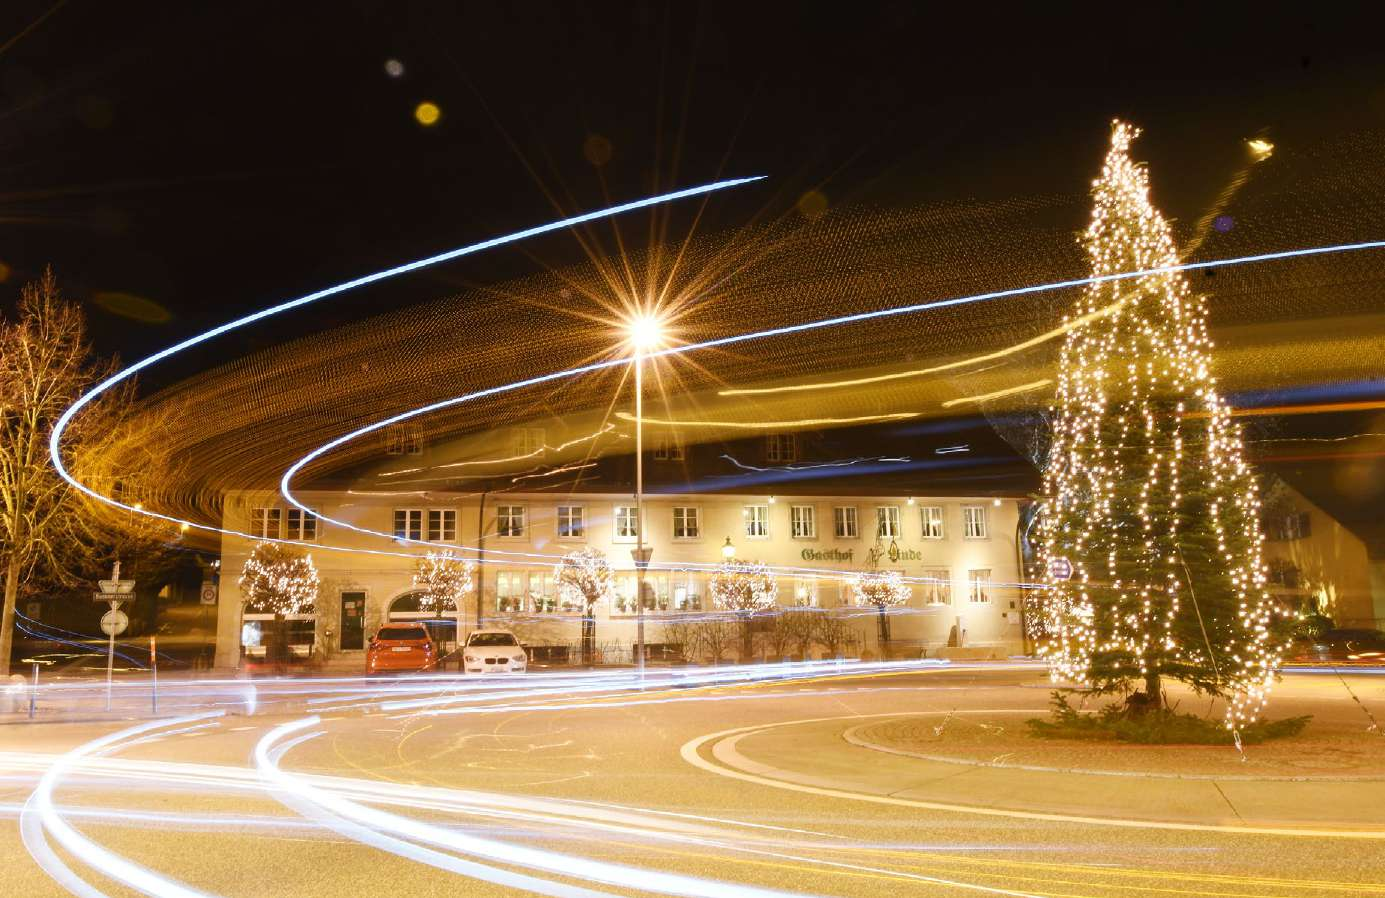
pixel 493 651
pixel 398 647
pixel 1344 645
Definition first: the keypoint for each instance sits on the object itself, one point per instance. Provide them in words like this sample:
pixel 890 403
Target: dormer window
pixel 781 447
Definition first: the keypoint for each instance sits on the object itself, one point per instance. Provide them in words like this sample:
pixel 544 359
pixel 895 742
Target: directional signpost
pixel 113 622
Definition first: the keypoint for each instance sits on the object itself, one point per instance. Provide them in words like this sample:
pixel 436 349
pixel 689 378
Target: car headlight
pixel 520 657
pixel 471 659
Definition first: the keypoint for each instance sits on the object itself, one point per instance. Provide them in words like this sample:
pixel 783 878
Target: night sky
pixel 214 158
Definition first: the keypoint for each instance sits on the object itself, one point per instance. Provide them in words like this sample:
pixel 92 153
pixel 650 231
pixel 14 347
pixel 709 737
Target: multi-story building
pixel 958 553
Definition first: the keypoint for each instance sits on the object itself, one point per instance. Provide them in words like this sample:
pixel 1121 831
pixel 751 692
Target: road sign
pixel 113 623
pixel 1060 569
pixel 208 593
pixel 642 557
pixel 116 587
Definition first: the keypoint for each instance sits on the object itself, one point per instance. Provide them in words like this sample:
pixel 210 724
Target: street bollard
pixel 33 692
pixel 154 666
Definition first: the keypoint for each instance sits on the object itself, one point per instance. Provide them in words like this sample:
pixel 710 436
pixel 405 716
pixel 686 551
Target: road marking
pixel 737 765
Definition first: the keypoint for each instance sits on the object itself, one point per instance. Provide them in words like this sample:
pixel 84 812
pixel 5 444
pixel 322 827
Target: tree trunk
pixel 747 639
pixel 7 619
pixel 1154 693
pixel 884 634
pixel 589 635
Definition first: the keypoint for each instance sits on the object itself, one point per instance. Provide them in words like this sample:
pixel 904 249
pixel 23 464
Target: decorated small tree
pixel 442 579
pixel 278 579
pixel 1150 537
pixel 881 590
pixel 745 587
pixel 585 578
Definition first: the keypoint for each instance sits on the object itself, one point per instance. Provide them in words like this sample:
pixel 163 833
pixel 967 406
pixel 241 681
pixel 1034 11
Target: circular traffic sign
pixel 1059 568
pixel 113 622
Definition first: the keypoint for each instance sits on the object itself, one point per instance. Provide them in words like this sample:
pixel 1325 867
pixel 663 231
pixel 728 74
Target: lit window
pixel 1296 526
pixel 685 591
pixel 756 521
pixel 572 522
pixel 844 519
pixel 781 447
pixel 543 592
pixel 668 449
pixel 932 517
pixel 626 523
pixel 264 523
pixel 404 439
pixel 803 522
pixel 509 521
pixel 887 521
pixel 408 523
pixel 528 440
pixel 936 587
pixel 974 521
pixel 656 593
pixel 685 523
pixel 301 525
pixel 805 592
pixel 510 590
pixel 979 584
pixel 442 525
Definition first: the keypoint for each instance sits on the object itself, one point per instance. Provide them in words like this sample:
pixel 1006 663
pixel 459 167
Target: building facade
pixel 958 554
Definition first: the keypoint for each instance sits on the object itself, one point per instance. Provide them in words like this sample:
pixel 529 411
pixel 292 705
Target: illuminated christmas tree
pixel 1149 497
pixel 279 579
pixel 881 590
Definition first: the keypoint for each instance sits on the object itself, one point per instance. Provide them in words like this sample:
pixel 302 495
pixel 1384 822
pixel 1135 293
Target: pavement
pixel 744 784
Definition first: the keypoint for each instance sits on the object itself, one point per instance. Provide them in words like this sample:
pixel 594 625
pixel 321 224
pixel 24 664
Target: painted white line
pixel 737 766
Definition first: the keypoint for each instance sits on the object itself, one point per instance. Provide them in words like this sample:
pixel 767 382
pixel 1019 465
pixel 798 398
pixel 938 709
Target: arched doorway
pixel 405 607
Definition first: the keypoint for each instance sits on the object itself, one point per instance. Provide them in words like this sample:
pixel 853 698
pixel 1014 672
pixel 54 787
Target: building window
pixel 1296 526
pixel 668 449
pixel 408 523
pixel 932 517
pixel 627 524
pixel 803 522
pixel 686 591
pixel 572 522
pixel 937 587
pixel 509 521
pixel 403 439
pixel 685 523
pixel 442 525
pixel 844 519
pixel 543 592
pixel 528 440
pixel 264 523
pixel 887 521
pixel 781 447
pixel 301 525
pixel 656 593
pixel 510 590
pixel 974 521
pixel 805 592
pixel 979 586
pixel 756 521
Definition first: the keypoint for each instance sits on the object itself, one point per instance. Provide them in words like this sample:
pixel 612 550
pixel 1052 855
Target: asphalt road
pixel 570 785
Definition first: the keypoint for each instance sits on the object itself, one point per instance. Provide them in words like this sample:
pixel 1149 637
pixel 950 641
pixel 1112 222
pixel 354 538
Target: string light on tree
pixel 881 590
pixel 585 578
pixel 279 579
pixel 1149 496
pixel 442 580
pixel 744 587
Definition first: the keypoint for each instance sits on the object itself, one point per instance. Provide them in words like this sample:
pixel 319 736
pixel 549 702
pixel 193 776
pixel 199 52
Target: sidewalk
pixel 832 755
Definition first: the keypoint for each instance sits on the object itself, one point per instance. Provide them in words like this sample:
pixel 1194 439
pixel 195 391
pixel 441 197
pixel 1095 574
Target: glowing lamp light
pixel 427 113
pixel 644 332
pixel 1261 148
pixel 728 551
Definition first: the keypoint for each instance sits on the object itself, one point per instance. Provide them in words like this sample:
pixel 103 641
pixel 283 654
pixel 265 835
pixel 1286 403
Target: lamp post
pixel 644 332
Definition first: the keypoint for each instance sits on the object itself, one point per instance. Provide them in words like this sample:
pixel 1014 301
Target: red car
pixel 400 647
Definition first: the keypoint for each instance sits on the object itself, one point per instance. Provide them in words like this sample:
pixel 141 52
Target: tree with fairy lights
pixel 1149 501
pixel 881 590
pixel 441 580
pixel 745 587
pixel 278 579
pixel 585 578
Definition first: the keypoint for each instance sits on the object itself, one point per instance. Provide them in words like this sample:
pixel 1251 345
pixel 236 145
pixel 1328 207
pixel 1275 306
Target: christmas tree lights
pixel 585 578
pixel 442 579
pixel 880 589
pixel 745 587
pixel 279 579
pixel 1148 494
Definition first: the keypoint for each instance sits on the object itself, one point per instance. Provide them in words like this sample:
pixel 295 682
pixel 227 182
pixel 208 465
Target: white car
pixel 493 651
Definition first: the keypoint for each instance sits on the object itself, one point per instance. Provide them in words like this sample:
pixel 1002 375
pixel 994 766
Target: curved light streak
pixel 287 479
pixel 55 439
pixel 770 425
pixel 996 394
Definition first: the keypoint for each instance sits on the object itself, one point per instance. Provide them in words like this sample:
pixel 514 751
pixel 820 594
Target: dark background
pixel 214 158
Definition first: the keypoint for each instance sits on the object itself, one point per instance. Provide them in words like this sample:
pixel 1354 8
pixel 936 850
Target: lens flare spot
pixel 128 305
pixel 427 113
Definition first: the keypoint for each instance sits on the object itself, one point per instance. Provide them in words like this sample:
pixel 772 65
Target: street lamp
pixel 643 331
pixel 728 551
